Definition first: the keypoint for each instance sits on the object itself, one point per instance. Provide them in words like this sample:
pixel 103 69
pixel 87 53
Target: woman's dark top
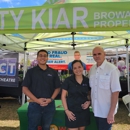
pixel 77 95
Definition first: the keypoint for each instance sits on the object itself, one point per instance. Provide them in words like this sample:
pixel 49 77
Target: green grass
pixel 122 120
pixel 8 114
pixel 9 118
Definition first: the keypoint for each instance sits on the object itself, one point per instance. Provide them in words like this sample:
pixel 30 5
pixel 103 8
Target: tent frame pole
pixel 127 64
pixel 24 71
pixel 116 56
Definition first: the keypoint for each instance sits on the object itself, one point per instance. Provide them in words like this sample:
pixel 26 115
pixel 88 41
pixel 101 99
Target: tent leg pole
pixel 116 56
pixel 24 71
pixel 127 65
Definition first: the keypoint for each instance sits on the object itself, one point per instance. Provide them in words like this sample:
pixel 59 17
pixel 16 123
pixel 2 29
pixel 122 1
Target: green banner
pixel 66 18
pixel 80 1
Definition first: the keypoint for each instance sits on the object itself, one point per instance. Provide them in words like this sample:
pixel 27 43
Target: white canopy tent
pixel 25 39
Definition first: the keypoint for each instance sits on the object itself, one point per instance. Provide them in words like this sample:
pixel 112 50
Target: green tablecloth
pixel 58 122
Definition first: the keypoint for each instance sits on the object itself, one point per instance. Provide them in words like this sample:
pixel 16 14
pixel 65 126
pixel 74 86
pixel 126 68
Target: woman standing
pixel 75 91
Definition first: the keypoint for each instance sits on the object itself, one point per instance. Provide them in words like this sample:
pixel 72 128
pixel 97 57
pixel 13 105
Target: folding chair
pixel 126 100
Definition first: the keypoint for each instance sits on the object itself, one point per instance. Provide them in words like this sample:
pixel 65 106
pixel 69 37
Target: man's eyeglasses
pixel 45 56
pixel 97 54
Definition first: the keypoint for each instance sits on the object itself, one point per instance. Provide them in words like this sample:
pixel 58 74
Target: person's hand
pixel 47 100
pixel 110 118
pixel 85 105
pixel 70 115
pixel 42 101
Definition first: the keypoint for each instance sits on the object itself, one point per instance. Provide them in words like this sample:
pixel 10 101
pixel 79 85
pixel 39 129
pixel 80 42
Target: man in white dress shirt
pixel 105 88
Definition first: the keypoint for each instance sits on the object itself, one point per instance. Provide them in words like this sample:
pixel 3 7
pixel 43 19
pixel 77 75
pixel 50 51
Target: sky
pixel 26 3
pixel 20 3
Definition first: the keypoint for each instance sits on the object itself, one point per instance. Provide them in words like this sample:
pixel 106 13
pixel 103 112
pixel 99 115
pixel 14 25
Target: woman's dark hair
pixel 119 58
pixel 75 61
pixel 42 51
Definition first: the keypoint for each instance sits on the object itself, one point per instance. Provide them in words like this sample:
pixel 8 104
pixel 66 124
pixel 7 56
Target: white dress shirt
pixel 104 80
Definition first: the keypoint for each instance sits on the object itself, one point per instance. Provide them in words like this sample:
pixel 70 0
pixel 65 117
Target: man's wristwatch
pixel 52 99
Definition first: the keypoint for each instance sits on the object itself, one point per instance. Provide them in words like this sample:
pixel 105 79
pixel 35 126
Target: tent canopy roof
pixel 22 36
pixel 64 41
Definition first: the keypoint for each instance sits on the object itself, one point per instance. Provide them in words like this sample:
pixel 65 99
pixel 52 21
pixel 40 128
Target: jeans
pixel 40 116
pixel 102 124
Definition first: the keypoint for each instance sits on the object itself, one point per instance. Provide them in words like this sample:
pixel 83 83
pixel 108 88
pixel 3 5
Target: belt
pixel 29 100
